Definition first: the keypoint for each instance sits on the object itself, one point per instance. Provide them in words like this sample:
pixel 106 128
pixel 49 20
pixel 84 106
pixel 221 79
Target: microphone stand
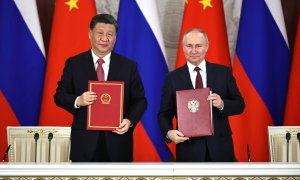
pixel 50 137
pixel 298 137
pixel 6 153
pixel 248 153
pixel 36 137
pixel 287 137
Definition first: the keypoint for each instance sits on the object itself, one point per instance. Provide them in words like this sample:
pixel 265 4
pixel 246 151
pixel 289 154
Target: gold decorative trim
pixel 149 178
pixel 42 131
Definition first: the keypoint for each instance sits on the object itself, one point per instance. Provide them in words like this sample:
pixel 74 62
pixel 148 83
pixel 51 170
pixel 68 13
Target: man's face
pixel 102 38
pixel 195 47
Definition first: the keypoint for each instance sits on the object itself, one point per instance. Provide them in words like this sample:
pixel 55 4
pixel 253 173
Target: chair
pixel 279 148
pixel 22 144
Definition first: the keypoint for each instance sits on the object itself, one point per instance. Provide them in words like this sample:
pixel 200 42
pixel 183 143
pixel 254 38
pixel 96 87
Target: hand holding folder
pixel 106 113
pixel 194 112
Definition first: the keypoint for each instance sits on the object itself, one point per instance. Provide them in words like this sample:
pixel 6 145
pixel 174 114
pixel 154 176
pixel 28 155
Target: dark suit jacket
pixel 77 72
pixel 220 146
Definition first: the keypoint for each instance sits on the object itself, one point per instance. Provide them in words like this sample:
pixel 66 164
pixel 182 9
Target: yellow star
pixel 186 1
pixel 72 4
pixel 206 3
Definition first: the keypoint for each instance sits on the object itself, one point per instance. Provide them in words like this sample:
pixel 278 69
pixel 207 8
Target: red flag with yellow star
pixel 69 36
pixel 207 15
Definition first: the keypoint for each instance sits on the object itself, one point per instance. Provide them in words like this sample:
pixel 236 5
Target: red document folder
pixel 194 112
pixel 106 113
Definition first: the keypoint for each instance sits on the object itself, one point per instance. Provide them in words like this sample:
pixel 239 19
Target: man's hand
pixel 176 136
pixel 87 98
pixel 123 128
pixel 216 101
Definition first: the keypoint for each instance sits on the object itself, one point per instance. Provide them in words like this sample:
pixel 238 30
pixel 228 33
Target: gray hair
pixel 194 30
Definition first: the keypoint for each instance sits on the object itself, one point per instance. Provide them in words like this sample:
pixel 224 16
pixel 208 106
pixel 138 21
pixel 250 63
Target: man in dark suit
pixel 72 95
pixel 226 100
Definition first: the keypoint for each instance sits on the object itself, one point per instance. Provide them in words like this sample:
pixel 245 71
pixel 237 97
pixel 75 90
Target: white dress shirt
pixel 193 73
pixel 105 65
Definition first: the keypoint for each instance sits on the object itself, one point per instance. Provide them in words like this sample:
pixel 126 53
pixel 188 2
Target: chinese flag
pixel 69 36
pixel 207 15
pixel 291 116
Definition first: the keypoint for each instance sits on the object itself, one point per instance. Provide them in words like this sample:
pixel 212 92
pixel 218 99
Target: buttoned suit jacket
pixel 77 72
pixel 222 82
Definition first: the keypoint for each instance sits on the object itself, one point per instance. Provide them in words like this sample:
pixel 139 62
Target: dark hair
pixel 103 18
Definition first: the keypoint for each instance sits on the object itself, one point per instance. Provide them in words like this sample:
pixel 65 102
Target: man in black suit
pixel 72 95
pixel 226 100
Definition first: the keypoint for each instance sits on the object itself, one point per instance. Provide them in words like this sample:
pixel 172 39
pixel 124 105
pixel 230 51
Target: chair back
pixel 281 149
pixel 24 147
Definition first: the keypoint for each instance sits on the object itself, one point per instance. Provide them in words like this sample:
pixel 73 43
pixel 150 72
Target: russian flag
pixel 261 68
pixel 139 38
pixel 22 65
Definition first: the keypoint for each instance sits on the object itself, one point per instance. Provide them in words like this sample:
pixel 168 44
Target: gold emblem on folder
pixel 105 98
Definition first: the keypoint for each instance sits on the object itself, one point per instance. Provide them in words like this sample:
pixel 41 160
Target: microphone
pixel 287 137
pixel 6 153
pixel 248 153
pixel 36 137
pixel 298 137
pixel 50 137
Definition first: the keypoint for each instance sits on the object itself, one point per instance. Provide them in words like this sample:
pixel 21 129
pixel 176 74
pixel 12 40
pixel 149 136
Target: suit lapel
pixel 185 76
pixel 113 67
pixel 209 74
pixel 90 67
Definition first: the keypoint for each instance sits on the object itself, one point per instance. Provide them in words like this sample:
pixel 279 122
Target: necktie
pixel 198 83
pixel 99 70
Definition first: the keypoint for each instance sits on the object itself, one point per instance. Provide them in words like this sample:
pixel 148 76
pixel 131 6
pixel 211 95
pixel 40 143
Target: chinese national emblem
pixel 193 105
pixel 105 98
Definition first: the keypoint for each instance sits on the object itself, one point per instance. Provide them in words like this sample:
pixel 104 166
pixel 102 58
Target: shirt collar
pixel 106 58
pixel 202 66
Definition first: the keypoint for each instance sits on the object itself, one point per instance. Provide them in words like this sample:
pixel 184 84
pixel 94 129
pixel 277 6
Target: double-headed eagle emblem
pixel 193 105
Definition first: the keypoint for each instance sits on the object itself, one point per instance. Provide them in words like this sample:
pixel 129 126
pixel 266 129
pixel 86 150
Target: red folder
pixel 106 113
pixel 194 112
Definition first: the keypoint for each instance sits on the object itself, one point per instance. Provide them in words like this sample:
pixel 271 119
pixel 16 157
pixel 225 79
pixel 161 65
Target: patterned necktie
pixel 99 70
pixel 198 83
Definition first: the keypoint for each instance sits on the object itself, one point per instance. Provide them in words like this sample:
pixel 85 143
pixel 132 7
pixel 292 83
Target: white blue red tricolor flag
pixel 261 67
pixel 22 65
pixel 139 38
